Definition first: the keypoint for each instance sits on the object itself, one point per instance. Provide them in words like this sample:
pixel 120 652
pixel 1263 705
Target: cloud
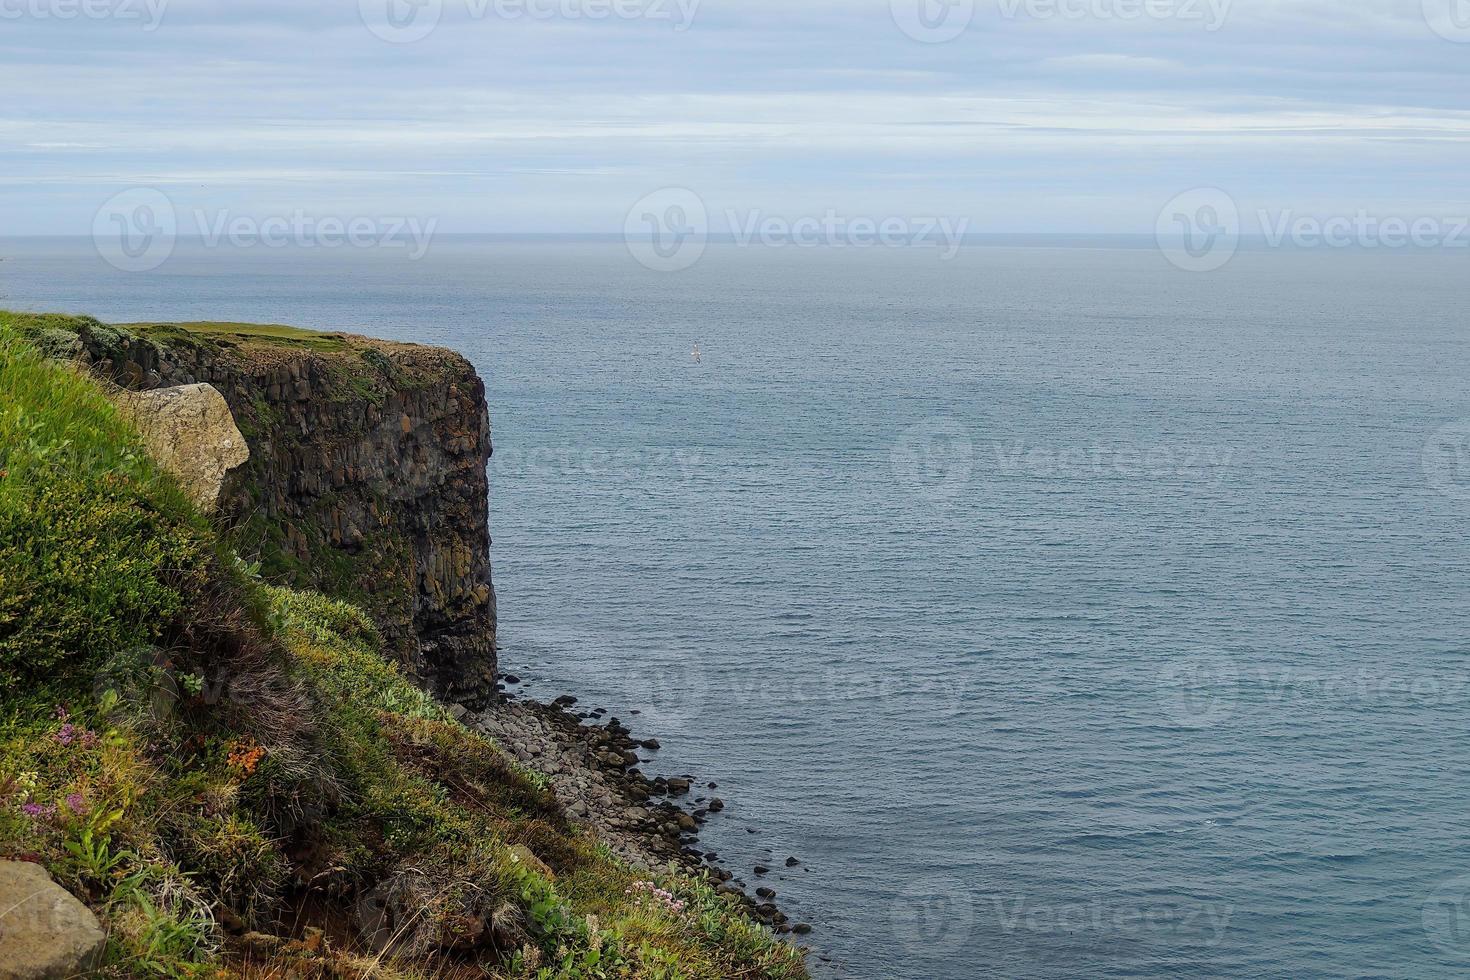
pixel 1110 63
pixel 560 123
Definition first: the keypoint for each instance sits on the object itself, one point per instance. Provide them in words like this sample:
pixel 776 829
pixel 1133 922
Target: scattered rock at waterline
pixel 45 932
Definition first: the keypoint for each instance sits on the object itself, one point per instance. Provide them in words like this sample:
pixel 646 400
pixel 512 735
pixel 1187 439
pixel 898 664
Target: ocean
pixel 1065 614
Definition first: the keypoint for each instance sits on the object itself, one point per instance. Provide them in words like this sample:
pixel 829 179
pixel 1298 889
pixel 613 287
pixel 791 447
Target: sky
pixel 1035 116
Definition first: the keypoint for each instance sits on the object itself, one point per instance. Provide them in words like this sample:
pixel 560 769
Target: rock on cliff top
pixel 190 431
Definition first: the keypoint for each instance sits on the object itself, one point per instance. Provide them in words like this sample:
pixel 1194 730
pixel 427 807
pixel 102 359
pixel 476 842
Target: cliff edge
pixel 366 478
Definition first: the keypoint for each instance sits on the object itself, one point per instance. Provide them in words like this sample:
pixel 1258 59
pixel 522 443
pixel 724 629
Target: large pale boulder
pixel 190 432
pixel 45 933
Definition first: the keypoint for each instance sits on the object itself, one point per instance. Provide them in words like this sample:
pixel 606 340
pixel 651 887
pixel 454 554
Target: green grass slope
pixel 235 778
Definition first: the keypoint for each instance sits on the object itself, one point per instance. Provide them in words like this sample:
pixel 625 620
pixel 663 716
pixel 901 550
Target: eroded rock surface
pixel 191 432
pixel 45 933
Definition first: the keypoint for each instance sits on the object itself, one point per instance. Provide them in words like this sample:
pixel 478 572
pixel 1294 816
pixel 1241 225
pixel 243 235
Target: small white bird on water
pixel 695 354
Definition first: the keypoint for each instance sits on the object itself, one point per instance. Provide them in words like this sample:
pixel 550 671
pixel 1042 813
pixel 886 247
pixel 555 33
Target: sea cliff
pixel 366 478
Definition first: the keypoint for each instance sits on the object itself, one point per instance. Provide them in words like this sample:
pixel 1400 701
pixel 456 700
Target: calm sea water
pixel 1067 615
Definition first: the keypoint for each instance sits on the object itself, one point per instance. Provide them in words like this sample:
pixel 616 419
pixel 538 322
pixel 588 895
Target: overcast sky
pixel 1021 115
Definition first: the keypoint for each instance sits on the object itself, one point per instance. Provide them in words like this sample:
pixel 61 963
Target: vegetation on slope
pixel 238 781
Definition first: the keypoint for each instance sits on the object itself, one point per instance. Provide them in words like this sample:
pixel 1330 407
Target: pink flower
pixel 76 802
pixel 33 809
pixel 67 735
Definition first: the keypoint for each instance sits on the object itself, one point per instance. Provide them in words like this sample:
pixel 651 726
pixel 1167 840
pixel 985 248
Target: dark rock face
pixel 366 478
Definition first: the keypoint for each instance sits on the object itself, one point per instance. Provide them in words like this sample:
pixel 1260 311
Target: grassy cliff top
pixel 236 779
pixel 246 333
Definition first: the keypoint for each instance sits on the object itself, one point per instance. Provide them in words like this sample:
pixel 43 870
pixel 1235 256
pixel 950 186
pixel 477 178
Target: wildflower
pixel 76 802
pixel 33 810
pixel 648 891
pixel 62 714
pixel 67 734
pixel 27 780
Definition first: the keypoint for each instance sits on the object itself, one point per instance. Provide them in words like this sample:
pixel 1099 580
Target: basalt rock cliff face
pixel 366 477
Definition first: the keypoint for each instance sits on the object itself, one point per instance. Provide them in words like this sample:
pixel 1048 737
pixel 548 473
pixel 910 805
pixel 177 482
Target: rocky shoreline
pixel 593 767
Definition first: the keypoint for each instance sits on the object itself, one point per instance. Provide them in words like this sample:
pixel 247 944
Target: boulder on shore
pixel 45 933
